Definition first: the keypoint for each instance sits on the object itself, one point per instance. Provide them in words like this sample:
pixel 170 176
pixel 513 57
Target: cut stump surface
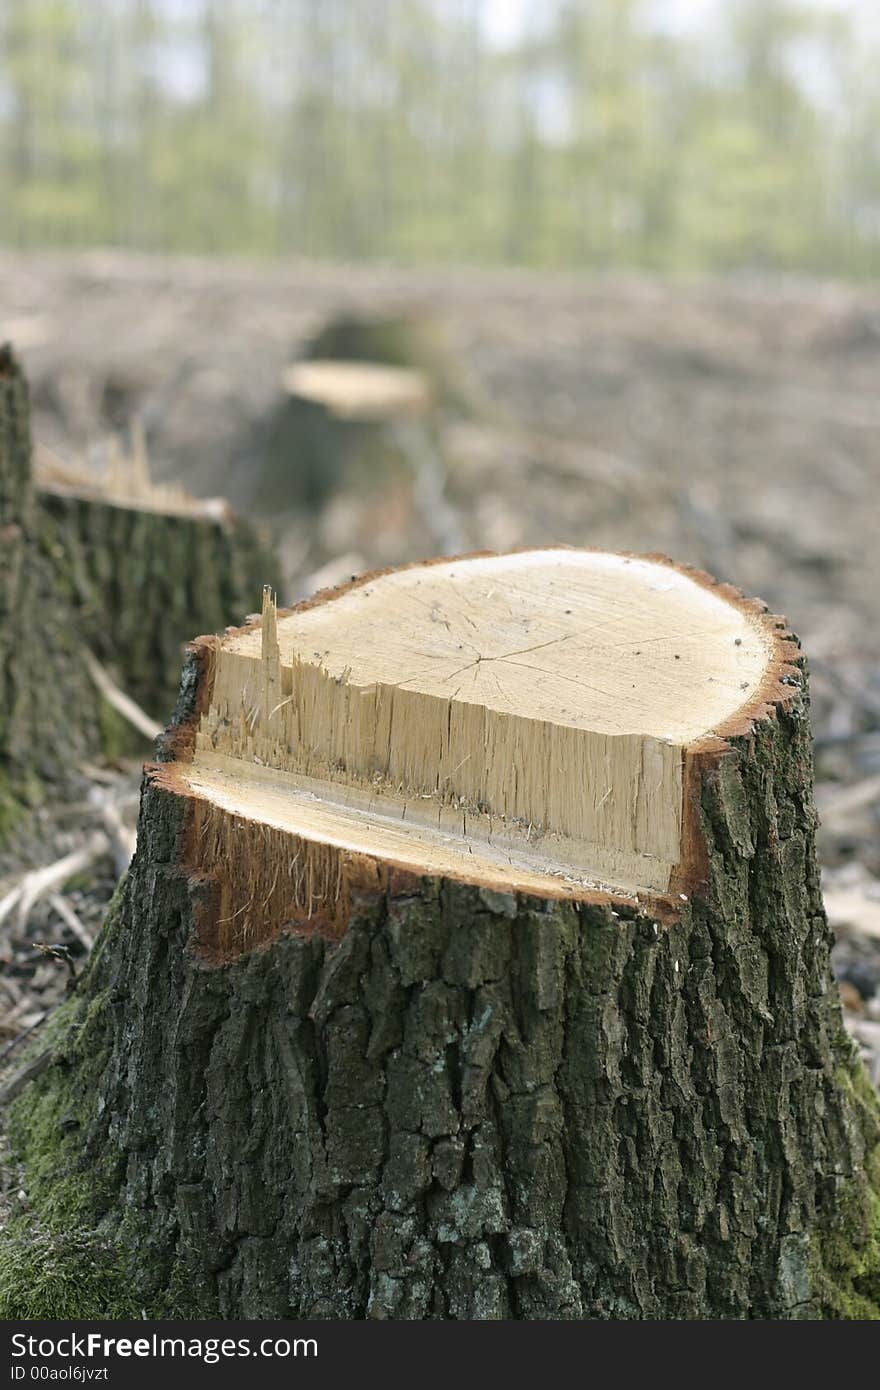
pixel 530 722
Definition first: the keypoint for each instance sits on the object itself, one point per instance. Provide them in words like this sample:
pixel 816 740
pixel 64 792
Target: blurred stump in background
pixel 340 425
pixel 117 571
pixel 359 435
pixel 141 564
pixel 414 340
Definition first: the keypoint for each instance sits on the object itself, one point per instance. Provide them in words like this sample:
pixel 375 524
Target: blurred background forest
pixel 673 136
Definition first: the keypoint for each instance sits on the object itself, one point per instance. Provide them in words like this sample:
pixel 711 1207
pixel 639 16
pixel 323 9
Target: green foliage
pixel 598 137
pixel 47 1121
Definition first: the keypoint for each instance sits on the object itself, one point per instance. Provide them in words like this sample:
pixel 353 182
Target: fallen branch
pixel 21 1078
pixel 62 907
pixel 39 882
pixel 122 703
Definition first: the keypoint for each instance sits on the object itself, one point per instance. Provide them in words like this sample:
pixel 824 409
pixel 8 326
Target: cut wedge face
pixel 524 721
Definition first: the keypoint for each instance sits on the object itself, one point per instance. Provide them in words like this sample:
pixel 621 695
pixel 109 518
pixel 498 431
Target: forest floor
pixel 732 424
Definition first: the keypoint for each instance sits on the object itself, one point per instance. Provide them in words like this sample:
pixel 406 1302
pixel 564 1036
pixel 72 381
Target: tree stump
pixel 472 965
pixel 48 717
pixel 143 565
pixel 409 338
pixel 341 425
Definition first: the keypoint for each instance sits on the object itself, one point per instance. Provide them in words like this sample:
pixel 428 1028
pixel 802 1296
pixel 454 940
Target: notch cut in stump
pixel 528 721
pixel 473 965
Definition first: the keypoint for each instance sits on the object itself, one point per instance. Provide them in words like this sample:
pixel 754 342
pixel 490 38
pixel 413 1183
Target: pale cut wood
pixel 584 639
pixel 524 719
pixel 359 390
pixel 127 482
pixel 356 822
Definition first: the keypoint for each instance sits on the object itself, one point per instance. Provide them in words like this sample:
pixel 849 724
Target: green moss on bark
pixel 846 1252
pixel 73 1251
pixel 61 1274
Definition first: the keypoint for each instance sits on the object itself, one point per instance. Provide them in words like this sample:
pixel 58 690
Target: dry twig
pixel 122 703
pixel 39 882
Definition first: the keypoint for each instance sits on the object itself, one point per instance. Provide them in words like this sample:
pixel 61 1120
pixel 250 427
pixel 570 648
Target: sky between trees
pixel 598 134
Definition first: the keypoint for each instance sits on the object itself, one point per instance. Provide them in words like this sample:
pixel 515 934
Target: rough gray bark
pixel 140 582
pixel 47 707
pixel 473 1105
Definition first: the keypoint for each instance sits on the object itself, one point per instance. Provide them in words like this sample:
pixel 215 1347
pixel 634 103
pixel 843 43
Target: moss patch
pixel 848 1281
pixel 60 1274
pixel 847 1255
pixel 56 1259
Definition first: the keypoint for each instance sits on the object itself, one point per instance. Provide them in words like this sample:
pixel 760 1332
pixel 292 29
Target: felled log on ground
pixel 472 964
pixel 144 565
pixel 48 714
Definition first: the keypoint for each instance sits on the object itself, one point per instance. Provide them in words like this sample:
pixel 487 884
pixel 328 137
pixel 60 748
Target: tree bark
pixel 465 1102
pixel 48 718
pixel 139 581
